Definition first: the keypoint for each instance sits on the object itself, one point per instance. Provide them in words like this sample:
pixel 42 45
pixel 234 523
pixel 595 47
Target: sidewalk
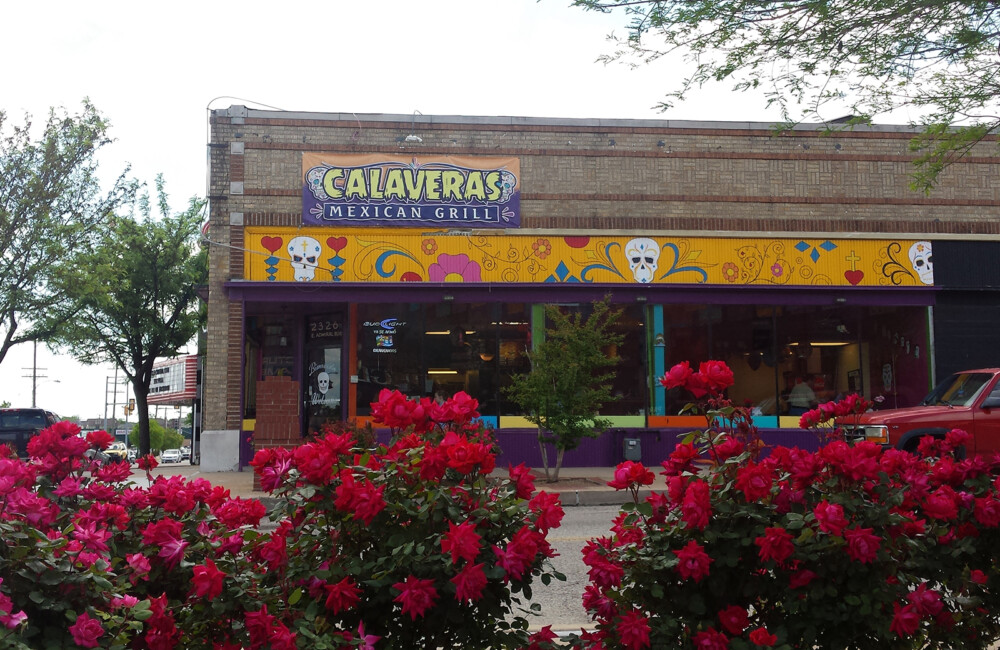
pixel 577 486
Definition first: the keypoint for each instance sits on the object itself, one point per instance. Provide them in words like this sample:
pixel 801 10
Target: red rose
pixel 801 578
pixel 905 620
pixel 987 511
pixel 461 541
pixel 633 628
pixel 754 481
pixel 862 545
pixel 830 517
pixel 717 375
pixel 677 376
pixel 710 639
pixel 416 596
pixel 942 503
pixel 629 473
pixel 469 583
pixel 86 631
pixel 763 638
pixel 207 580
pixel 693 562
pixel 696 506
pixel 775 544
pixel 734 618
pixel 926 601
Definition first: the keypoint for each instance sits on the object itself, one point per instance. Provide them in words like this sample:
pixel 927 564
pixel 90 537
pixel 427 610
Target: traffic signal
pixel 131 406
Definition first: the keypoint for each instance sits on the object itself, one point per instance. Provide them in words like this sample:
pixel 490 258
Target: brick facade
pixel 644 176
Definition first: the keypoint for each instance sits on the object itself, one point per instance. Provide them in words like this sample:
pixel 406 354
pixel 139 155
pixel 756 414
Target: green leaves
pixel 52 211
pixel 820 60
pixel 570 376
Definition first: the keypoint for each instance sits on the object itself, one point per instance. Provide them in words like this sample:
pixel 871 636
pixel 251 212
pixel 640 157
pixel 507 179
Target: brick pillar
pixel 277 415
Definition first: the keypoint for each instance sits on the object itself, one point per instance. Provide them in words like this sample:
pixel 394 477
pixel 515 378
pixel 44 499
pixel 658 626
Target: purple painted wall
pixel 521 446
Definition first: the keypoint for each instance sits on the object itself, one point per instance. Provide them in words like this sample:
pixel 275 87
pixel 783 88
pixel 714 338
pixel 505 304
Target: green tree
pixel 160 437
pixel 52 209
pixel 868 57
pixel 140 303
pixel 570 379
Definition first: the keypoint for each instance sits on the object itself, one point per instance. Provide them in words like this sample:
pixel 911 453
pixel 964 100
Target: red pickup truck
pixel 968 400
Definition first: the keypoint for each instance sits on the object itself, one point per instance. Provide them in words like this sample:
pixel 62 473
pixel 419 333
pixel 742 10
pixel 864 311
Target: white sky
pixel 153 69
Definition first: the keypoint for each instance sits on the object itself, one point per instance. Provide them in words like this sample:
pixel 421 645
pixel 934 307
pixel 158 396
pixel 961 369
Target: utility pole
pixel 34 373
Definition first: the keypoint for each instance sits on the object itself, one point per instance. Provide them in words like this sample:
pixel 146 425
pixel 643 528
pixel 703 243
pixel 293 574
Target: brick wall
pixel 648 176
pixel 277 413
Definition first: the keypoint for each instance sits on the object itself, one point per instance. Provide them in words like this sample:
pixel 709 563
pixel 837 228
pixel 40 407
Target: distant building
pixel 352 253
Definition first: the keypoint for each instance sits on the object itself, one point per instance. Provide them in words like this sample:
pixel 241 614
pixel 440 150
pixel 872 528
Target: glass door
pixel 322 384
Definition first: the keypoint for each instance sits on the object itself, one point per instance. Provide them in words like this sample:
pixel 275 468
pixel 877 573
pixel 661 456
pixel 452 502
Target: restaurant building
pixel 352 253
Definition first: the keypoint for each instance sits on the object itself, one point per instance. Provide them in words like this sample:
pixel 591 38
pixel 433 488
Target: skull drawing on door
pixel 304 255
pixel 643 255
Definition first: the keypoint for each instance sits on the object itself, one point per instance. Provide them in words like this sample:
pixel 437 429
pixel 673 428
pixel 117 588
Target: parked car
pixel 133 454
pixel 170 456
pixel 117 452
pixel 968 400
pixel 18 425
pixel 185 453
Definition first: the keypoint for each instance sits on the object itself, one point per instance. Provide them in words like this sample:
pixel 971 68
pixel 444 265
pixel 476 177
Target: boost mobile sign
pixel 444 191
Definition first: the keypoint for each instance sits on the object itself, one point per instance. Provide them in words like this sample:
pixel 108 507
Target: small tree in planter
pixel 570 380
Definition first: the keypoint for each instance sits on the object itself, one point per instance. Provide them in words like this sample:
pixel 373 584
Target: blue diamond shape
pixel 802 247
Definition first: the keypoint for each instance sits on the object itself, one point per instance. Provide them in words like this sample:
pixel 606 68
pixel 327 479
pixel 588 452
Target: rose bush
pixel 410 544
pixel 852 546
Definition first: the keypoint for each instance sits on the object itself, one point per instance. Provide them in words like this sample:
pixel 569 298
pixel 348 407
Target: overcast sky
pixel 154 69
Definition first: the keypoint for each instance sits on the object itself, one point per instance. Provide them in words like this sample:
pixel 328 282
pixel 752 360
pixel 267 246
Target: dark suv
pixel 18 425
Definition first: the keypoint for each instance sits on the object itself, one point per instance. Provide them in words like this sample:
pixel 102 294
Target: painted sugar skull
pixel 643 255
pixel 923 263
pixel 304 254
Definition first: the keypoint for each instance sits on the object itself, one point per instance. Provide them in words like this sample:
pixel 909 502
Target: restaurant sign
pixel 385 190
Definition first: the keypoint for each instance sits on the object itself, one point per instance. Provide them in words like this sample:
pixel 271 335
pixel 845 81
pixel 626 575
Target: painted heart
pixel 271 243
pixel 854 277
pixel 336 243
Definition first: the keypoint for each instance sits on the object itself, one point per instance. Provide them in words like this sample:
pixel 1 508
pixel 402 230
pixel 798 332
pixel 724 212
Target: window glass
pixel 389 352
pixel 460 352
pixel 268 351
pixel 629 382
pixel 513 341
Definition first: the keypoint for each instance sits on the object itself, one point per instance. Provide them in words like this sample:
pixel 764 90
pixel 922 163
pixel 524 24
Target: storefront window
pixel 789 358
pixel 437 350
pixel 629 386
pixel 514 340
pixel 268 352
pixel 389 352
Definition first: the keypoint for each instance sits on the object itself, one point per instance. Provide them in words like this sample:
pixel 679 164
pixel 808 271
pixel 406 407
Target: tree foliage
pixel 160 437
pixel 52 209
pixel 869 57
pixel 140 302
pixel 570 378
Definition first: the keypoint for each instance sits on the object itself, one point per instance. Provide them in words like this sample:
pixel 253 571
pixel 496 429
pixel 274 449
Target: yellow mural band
pixel 334 254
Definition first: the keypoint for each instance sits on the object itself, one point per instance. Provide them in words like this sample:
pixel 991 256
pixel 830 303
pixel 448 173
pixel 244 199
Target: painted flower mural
pixel 730 272
pixel 454 268
pixel 542 248
pixel 428 246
